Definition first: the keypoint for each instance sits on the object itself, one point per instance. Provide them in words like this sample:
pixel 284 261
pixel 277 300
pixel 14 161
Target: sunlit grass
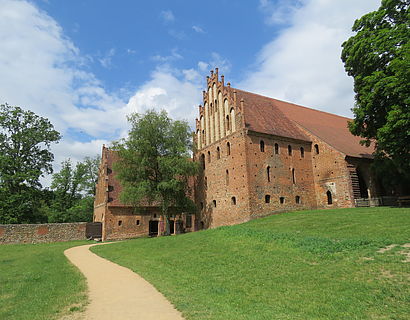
pixel 38 282
pixel 302 265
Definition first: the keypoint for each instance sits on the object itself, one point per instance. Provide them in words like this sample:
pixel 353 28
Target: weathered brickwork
pixel 120 221
pixel 39 233
pixel 259 156
pixel 275 163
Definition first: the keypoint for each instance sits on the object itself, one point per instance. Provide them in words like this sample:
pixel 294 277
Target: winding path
pixel 118 293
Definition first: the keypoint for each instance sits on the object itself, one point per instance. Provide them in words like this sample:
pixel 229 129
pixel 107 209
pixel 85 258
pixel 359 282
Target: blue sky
pixel 86 64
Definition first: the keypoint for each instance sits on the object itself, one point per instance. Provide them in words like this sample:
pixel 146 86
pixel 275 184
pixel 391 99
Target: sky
pixel 87 64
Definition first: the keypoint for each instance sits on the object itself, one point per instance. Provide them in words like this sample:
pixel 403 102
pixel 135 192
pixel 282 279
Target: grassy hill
pixel 302 265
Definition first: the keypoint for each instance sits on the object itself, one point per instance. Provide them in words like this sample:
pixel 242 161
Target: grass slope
pixel 301 265
pixel 38 282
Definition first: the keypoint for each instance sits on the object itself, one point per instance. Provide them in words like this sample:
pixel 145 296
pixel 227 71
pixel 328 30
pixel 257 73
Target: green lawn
pixel 302 265
pixel 38 282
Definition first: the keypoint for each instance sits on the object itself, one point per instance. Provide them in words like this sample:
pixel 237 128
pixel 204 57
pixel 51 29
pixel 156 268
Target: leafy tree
pixel 155 164
pixel 378 58
pixel 25 140
pixel 73 189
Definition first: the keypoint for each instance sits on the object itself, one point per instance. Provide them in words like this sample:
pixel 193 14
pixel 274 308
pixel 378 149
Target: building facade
pixel 261 156
pixel 258 156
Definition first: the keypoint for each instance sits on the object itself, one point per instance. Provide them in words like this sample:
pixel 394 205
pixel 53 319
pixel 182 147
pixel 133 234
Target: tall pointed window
pixel 268 173
pixel 329 197
pixel 302 152
pixel 262 145
pixel 218 153
pixel 227 177
pixel 289 150
pixel 228 148
pixel 316 149
pixel 276 148
pixel 293 176
pixel 209 156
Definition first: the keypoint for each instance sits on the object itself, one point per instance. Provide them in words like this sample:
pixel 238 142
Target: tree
pixel 25 140
pixel 378 58
pixel 155 163
pixel 74 190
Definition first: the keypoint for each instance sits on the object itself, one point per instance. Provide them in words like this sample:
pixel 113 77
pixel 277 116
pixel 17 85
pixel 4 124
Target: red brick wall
pixel 281 180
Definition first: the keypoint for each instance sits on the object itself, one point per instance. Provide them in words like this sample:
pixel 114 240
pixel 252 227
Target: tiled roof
pixel 273 116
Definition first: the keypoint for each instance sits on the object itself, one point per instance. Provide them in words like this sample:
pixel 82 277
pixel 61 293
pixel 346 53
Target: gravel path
pixel 116 292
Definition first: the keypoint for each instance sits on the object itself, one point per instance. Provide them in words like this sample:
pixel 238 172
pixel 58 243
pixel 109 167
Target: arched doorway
pixel 329 197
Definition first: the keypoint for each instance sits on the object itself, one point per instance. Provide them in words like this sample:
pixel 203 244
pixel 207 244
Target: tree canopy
pixel 25 140
pixel 154 165
pixel 378 58
pixel 73 192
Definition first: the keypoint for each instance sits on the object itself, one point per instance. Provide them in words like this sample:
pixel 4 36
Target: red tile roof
pixel 272 116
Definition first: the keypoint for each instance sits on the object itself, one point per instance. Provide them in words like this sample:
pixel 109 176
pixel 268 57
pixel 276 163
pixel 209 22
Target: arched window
pixel 316 149
pixel 297 200
pixel 289 150
pixel 262 145
pixel 329 197
pixel 203 161
pixel 293 176
pixel 214 203
pixel 302 152
pixel 268 173
pixel 276 148
pixel 267 198
pixel 228 148
pixel 227 177
pixel 233 201
pixel 218 153
pixel 209 156
pixel 228 125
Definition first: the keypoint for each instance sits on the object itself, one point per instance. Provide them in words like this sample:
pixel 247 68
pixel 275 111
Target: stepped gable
pixel 266 115
pixel 262 115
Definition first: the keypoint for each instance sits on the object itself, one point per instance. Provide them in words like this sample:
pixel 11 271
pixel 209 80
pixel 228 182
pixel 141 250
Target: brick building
pixel 261 156
pixel 258 156
pixel 121 221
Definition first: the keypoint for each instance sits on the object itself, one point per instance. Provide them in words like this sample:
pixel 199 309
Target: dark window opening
pixel 228 148
pixel 209 156
pixel 267 198
pixel 137 222
pixel 297 199
pixel 316 149
pixel 202 225
pixel 289 150
pixel 188 222
pixel 302 152
pixel 227 177
pixel 268 173
pixel 214 203
pixel 329 197
pixel 233 201
pixel 276 148
pixel 282 200
pixel 293 176
pixel 262 146
pixel 218 153
pixel 119 222
pixel 202 205
pixel 153 228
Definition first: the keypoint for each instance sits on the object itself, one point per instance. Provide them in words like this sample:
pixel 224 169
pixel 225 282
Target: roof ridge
pixel 291 103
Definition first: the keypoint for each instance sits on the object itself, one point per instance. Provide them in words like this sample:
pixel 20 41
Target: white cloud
pixel 279 11
pixel 198 29
pixel 43 71
pixel 203 66
pixel 217 61
pixel 176 91
pixel 106 60
pixel 167 16
pixel 172 57
pixel 302 64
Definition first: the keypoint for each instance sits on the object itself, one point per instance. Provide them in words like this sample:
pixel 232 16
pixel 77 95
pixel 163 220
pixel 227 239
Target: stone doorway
pixel 153 228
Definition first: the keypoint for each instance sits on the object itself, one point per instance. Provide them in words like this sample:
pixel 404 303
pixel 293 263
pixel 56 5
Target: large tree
pixel 155 165
pixel 25 140
pixel 378 58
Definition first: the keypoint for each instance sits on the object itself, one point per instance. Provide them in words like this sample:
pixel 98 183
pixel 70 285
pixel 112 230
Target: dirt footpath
pixel 117 293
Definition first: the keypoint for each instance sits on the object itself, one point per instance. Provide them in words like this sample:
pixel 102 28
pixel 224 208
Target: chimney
pixel 222 80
